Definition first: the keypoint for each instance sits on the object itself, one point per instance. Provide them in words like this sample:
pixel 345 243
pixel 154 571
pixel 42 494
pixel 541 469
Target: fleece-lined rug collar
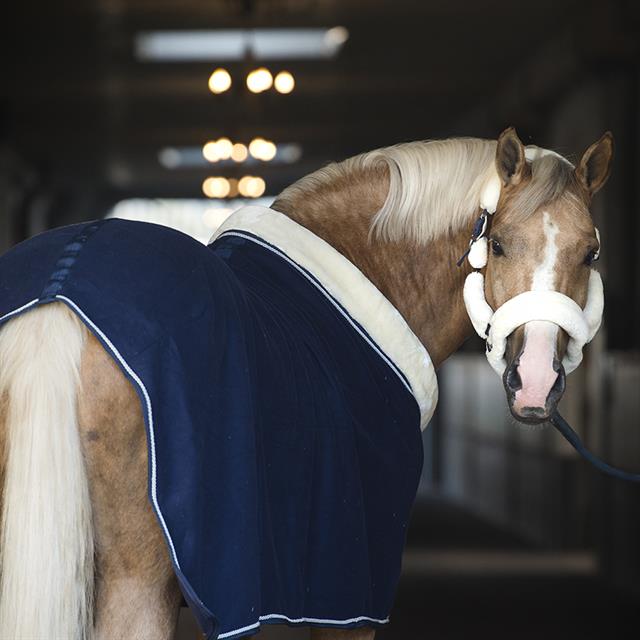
pixel 353 290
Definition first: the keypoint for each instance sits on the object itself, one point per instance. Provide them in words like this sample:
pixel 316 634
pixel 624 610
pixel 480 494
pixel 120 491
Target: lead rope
pixel 574 440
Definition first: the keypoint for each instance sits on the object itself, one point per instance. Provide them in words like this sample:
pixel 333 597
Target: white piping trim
pixel 363 301
pixel 147 400
pixel 24 307
pixel 279 616
pixel 228 634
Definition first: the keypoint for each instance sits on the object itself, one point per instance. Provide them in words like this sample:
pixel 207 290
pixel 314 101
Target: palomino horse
pixel 83 555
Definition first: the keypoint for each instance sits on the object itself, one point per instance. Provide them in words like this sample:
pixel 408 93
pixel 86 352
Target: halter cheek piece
pixel 496 326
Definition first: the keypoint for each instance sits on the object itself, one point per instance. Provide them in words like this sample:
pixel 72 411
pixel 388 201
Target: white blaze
pixel 536 362
pixel 544 276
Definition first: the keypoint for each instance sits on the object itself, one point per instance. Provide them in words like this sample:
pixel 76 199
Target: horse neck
pixel 422 282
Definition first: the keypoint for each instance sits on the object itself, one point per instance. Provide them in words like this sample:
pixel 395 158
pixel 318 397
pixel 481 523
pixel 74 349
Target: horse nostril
pixel 557 366
pixel 558 386
pixel 512 379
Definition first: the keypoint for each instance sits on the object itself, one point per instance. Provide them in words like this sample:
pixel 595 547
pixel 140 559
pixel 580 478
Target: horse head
pixel 539 253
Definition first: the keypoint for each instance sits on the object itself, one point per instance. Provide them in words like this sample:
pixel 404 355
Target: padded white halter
pixel 580 324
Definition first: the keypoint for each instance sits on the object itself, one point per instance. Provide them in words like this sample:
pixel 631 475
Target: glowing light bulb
pixel 216 187
pixel 207 187
pixel 242 185
pixel 284 82
pixel 210 151
pixel 262 149
pixel 255 147
pixel 256 187
pixel 239 152
pixel 225 148
pixel 219 81
pixel 251 186
pixel 268 151
pixel 259 80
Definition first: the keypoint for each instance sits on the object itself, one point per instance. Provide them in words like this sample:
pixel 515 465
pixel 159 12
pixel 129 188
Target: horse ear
pixel 594 168
pixel 510 159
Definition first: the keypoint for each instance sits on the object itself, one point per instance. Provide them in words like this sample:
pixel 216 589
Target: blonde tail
pixel 46 545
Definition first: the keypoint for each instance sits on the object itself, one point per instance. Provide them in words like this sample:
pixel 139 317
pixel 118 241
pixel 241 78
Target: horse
pixel 84 555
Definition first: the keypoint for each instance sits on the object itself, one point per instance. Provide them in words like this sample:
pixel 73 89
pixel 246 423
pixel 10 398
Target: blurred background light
pixel 262 149
pixel 335 37
pixel 224 147
pixel 219 81
pixel 289 153
pixel 210 151
pixel 190 157
pixel 233 44
pixel 251 186
pixel 170 158
pixel 268 151
pixel 284 82
pixel 259 80
pixel 255 147
pixel 216 187
pixel 239 153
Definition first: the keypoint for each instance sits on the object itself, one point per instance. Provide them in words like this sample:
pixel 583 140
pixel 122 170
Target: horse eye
pixel 496 248
pixel 591 257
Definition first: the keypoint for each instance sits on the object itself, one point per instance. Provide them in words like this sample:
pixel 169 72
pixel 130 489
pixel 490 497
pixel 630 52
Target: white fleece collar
pixel 353 290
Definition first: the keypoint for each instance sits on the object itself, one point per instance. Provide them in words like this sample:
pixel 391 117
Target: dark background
pixel 512 535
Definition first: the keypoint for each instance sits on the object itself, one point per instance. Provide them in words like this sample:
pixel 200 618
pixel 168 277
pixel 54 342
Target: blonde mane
pixel 435 186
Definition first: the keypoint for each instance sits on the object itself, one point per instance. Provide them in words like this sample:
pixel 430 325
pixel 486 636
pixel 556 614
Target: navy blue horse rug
pixel 283 397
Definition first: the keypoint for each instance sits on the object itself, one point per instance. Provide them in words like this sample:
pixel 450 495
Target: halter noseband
pixel 496 326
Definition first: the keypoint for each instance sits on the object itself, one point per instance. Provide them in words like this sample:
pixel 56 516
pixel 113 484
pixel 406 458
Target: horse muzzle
pixel 534 387
pixel 534 401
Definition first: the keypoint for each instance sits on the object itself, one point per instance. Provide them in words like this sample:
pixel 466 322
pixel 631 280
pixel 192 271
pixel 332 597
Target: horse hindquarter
pixel 137 594
pixel 74 477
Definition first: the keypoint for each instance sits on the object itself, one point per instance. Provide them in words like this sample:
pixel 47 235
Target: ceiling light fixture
pixel 208 45
pixel 219 81
pixel 259 80
pixel 251 186
pixel 239 153
pixel 216 187
pixel 284 82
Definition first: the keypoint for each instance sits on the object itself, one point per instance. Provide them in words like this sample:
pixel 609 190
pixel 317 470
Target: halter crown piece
pixel 495 326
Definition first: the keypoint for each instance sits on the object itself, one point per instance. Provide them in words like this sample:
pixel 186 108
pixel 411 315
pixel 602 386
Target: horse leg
pixel 361 633
pixel 137 594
